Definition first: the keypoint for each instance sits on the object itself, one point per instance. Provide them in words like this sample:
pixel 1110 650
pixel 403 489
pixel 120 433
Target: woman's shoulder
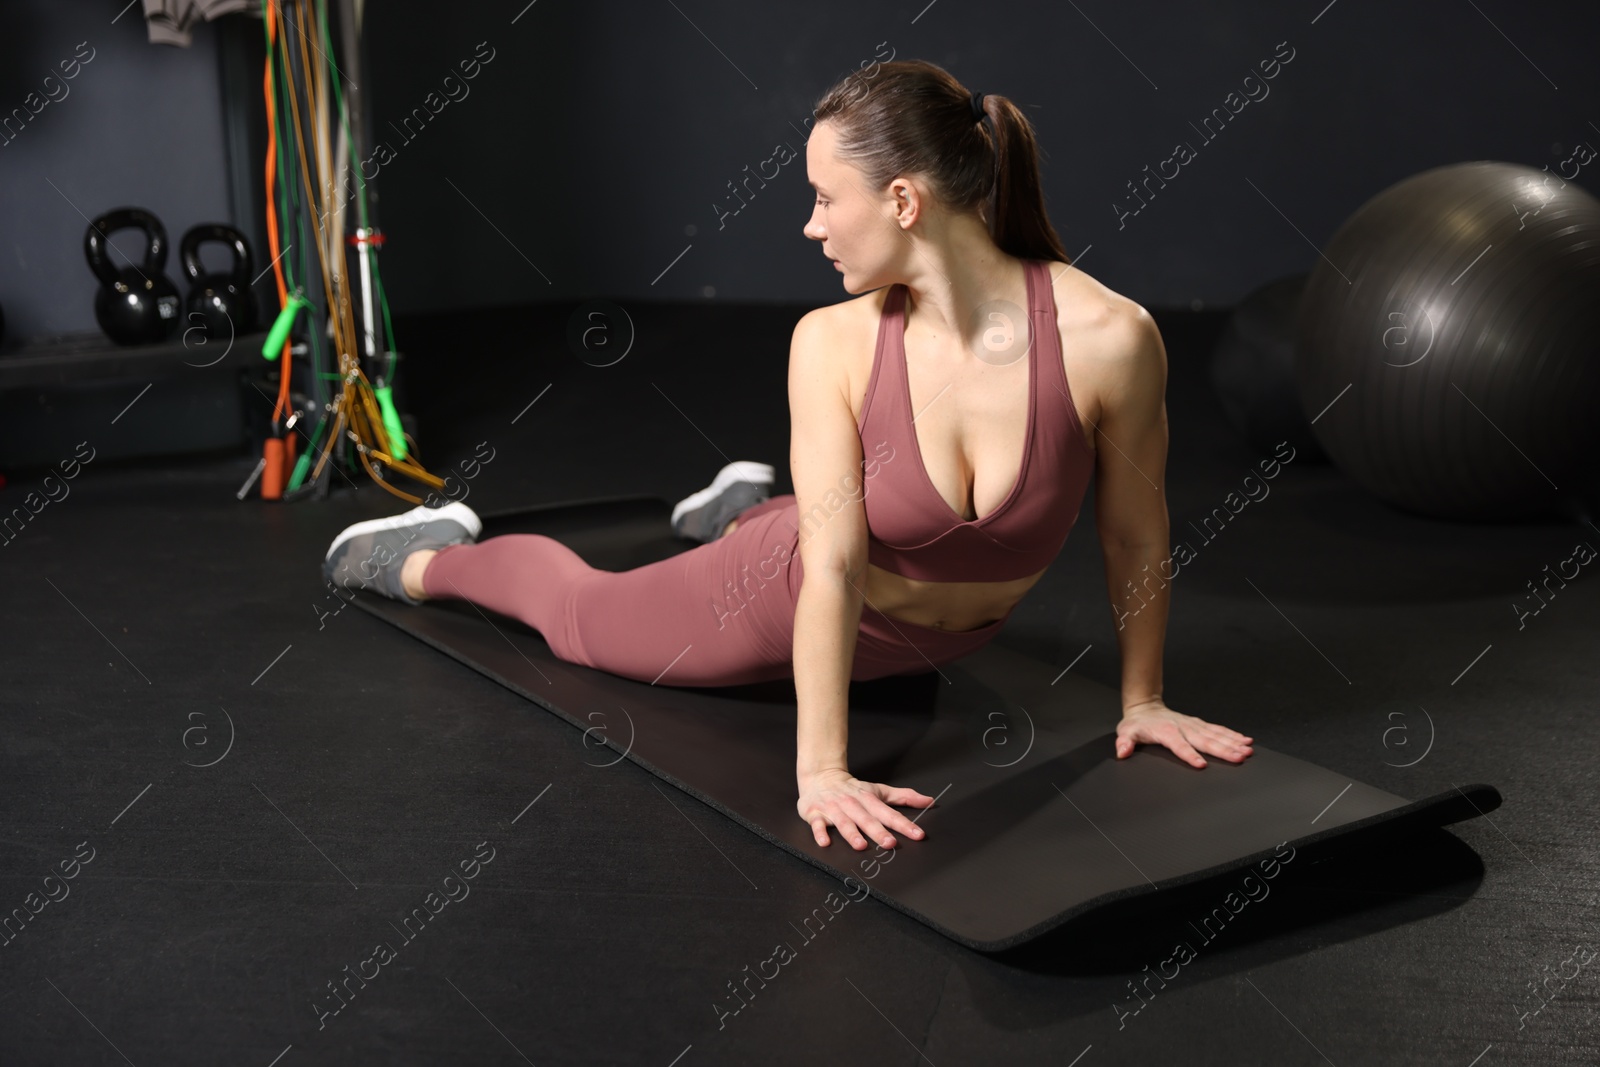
pixel 849 328
pixel 1094 319
pixel 1111 349
pixel 1084 302
pixel 846 333
pixel 854 314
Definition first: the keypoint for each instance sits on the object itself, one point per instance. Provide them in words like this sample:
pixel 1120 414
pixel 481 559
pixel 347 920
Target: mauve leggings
pixel 718 614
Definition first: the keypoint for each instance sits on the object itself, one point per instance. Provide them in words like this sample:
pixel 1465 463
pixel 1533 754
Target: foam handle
pixel 302 465
pixel 391 423
pixel 272 473
pixel 281 326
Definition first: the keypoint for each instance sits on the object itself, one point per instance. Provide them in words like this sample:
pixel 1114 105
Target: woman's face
pixel 855 225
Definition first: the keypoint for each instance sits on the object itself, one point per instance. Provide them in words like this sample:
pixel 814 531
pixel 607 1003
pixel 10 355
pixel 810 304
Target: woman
pixel 903 546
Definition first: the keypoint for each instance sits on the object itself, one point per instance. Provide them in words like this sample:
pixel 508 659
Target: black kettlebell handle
pixel 95 241
pixel 189 251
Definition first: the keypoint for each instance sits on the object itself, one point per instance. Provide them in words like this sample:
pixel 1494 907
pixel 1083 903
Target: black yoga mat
pixel 1036 823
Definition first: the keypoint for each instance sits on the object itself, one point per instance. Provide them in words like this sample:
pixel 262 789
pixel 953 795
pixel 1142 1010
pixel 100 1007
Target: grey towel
pixel 170 21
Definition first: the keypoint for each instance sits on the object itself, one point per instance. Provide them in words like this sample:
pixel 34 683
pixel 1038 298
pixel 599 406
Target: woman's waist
pixel 950 606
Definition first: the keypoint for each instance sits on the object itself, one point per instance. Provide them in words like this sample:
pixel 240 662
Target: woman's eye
pixel 822 203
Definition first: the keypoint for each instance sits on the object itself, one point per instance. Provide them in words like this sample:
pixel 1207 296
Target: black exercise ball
pixel 1252 372
pixel 1446 345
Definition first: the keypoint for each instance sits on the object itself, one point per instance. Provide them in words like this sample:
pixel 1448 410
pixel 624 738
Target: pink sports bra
pixel 911 530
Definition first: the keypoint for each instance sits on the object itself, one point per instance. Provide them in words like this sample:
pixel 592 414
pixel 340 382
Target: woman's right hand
pixel 836 797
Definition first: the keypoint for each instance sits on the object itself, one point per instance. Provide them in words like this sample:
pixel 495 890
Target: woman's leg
pixel 771 504
pixel 411 570
pixel 668 622
pixel 719 614
pixel 754 511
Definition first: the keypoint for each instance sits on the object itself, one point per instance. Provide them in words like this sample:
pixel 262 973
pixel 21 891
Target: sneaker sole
pixel 454 510
pixel 740 471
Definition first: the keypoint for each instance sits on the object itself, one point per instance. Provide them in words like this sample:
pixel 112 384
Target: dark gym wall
pixel 587 156
pixel 601 135
pixel 140 124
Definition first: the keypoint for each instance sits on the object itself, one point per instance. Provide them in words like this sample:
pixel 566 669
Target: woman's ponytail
pixel 912 117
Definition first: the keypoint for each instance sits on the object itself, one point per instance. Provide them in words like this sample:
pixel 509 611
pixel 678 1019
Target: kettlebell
pixel 221 304
pixel 135 305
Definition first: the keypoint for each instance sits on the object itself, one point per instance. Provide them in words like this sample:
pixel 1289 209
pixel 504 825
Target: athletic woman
pixel 942 443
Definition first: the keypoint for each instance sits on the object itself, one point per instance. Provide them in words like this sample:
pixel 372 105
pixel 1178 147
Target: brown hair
pixel 912 117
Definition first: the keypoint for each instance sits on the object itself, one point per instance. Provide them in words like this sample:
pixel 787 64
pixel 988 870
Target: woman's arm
pixel 825 462
pixel 1130 503
pixel 1131 516
pixel 1142 627
pixel 827 618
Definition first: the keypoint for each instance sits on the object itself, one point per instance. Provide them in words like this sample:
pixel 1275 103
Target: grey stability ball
pixel 1447 345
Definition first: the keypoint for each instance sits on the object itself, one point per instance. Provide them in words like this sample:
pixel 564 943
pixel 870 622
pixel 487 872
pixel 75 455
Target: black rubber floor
pixel 253 790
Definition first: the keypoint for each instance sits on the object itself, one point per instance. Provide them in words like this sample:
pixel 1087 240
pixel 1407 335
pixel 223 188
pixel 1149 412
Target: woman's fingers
pixel 887 795
pixel 851 834
pixel 1226 743
pixel 1174 738
pixel 898 794
pixel 1225 734
pixel 894 820
pixel 1232 743
pixel 867 819
pixel 878 804
pixel 1186 735
pixel 845 822
pixel 1209 737
pixel 865 815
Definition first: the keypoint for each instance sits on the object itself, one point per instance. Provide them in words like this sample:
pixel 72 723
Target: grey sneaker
pixel 702 515
pixel 369 555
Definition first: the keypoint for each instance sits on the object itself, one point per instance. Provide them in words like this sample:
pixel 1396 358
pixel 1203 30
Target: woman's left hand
pixel 1187 736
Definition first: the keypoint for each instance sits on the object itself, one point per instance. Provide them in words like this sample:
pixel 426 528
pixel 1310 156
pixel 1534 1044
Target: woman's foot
pixel 374 554
pixel 708 514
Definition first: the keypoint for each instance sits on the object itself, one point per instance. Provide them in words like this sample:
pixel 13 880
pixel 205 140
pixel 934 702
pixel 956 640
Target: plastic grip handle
pixel 301 466
pixel 391 423
pixel 282 325
pixel 272 473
